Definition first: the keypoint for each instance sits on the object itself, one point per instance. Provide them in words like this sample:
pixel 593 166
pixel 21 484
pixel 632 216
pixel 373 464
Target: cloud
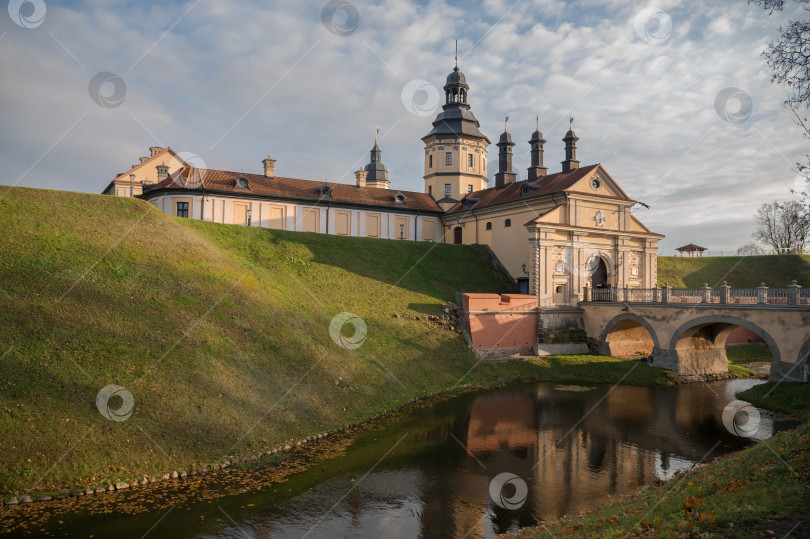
pixel 233 82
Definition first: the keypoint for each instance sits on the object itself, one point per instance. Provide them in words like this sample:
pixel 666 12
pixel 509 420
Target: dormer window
pixel 527 189
pixel 399 198
pixel 325 192
pixel 241 183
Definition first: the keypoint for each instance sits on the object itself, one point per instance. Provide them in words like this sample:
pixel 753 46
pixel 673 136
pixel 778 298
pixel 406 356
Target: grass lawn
pixel 742 354
pixel 738 271
pixel 221 335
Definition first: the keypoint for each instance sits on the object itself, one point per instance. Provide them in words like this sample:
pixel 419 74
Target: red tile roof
pixel 553 183
pixel 290 188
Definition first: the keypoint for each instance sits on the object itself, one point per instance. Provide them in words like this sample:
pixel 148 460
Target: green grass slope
pixel 221 334
pixel 738 271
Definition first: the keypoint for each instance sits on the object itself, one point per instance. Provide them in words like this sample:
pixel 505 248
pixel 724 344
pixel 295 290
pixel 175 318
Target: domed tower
pixel 570 164
pixel 377 174
pixel 455 150
pixel 537 170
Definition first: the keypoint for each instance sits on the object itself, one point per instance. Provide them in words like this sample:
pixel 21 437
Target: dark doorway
pixel 599 277
pixel 523 285
pixel 457 235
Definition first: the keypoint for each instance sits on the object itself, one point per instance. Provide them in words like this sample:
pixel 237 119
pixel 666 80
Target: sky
pixel 672 97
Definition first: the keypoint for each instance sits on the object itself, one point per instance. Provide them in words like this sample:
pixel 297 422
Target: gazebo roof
pixel 691 247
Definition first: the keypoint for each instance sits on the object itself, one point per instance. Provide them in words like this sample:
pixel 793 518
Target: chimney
pixel 505 174
pixel 537 170
pixel 162 172
pixel 155 150
pixel 570 164
pixel 269 165
pixel 361 177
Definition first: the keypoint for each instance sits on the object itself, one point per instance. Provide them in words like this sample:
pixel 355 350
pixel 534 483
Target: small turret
pixel 570 164
pixel 505 174
pixel 537 170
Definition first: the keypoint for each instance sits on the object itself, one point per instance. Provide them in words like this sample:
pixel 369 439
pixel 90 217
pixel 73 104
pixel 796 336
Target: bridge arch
pixel 715 329
pixel 628 335
pixel 700 343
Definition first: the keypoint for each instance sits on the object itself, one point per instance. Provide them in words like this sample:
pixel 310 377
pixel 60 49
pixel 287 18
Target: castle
pixel 553 233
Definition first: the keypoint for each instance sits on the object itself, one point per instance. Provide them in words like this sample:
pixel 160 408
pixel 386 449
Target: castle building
pixel 554 233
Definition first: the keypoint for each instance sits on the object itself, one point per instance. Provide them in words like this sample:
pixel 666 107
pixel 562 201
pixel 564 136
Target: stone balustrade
pixel 724 294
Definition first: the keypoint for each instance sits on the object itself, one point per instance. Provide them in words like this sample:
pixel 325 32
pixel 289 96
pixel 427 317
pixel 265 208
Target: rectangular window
pixel 430 161
pixel 447 189
pixel 469 188
pixel 430 190
pixel 448 158
pixel 182 209
pixel 373 225
pixel 469 160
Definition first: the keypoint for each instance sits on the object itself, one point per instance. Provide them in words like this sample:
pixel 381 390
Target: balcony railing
pixel 723 294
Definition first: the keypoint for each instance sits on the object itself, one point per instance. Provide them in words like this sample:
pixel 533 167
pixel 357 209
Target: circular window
pixel 595 183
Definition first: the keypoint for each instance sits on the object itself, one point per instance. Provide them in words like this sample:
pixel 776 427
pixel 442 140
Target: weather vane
pixel 571 122
pixel 457 53
pixel 504 122
pixel 376 134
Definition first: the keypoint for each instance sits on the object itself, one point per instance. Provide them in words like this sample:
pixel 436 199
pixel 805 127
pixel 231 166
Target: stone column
pixel 707 293
pixel 762 293
pixel 724 292
pixel 665 293
pixel 534 270
pixel 793 293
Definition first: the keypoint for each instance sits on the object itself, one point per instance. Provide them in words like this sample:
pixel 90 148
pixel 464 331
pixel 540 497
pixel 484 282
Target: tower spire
pixel 537 170
pixel 570 164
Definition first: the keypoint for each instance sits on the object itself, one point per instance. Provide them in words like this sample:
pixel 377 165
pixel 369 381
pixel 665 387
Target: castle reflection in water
pixel 575 450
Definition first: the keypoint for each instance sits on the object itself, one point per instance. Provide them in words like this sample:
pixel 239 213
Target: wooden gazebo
pixel 691 249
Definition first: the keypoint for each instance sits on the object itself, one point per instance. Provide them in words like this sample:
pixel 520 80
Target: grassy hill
pixel 221 334
pixel 740 271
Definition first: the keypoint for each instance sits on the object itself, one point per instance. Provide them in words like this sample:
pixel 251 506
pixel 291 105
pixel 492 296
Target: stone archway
pixel 628 335
pixel 699 345
pixel 599 277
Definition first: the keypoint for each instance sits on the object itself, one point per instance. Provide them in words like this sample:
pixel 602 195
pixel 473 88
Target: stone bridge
pixel 686 331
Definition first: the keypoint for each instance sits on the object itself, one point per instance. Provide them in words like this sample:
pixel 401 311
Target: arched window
pixel 507 223
pixel 489 226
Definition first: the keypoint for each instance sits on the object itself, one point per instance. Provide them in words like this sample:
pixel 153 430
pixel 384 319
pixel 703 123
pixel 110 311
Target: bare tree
pixel 750 249
pixel 789 59
pixel 783 226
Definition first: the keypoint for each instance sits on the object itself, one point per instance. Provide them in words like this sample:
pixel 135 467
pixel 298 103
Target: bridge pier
pixel 695 362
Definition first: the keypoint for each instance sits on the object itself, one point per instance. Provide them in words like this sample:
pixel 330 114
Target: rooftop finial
pixel 571 122
pixel 457 54
pixel 506 119
pixel 376 134
pixel 537 125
